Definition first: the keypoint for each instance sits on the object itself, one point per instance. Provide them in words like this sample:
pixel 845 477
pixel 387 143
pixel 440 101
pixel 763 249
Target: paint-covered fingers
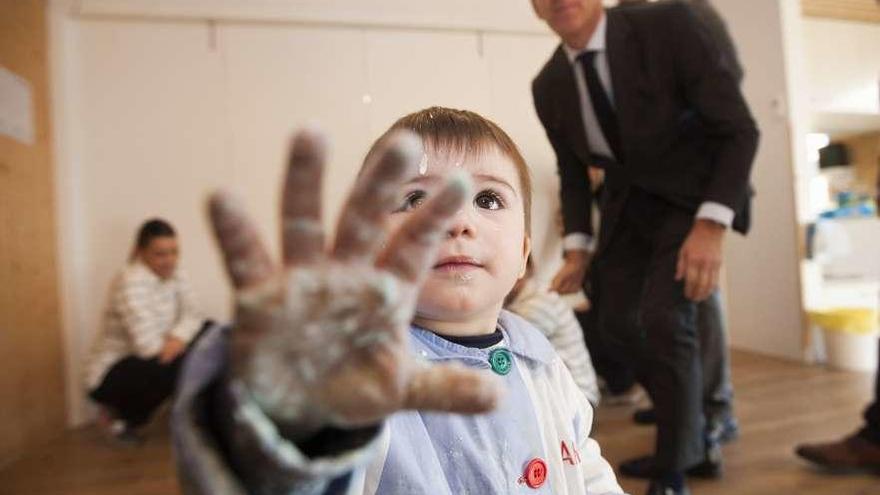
pixel 412 247
pixel 375 194
pixel 245 257
pixel 452 388
pixel 302 237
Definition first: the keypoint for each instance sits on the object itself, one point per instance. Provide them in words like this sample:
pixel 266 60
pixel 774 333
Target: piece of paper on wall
pixel 16 107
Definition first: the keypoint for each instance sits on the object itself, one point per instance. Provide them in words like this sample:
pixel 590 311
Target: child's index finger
pixel 412 247
pixel 246 260
pixel 302 236
pixel 361 228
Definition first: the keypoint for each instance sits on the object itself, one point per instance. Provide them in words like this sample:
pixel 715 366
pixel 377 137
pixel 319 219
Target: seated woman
pixel 150 320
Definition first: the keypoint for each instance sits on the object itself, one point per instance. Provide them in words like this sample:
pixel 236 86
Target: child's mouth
pixel 457 264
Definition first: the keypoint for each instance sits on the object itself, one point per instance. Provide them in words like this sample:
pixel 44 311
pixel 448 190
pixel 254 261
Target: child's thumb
pixel 452 388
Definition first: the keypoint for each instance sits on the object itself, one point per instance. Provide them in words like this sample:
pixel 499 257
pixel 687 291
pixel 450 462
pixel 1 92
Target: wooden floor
pixel 779 404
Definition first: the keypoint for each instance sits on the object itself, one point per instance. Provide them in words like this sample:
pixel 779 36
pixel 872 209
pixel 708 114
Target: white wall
pixel 843 66
pixel 157 103
pixel 762 272
pixel 153 112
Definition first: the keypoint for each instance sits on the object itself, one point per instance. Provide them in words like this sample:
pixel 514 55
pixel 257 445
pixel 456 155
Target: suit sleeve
pixel 712 89
pixel 575 194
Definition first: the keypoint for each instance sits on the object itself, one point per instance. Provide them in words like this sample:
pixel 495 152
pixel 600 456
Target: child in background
pixel 344 365
pixel 550 314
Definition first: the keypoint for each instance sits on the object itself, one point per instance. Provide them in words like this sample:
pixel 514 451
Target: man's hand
pixel 172 348
pixel 570 278
pixel 322 338
pixel 699 260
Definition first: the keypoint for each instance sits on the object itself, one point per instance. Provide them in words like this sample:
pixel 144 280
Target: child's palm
pixel 323 339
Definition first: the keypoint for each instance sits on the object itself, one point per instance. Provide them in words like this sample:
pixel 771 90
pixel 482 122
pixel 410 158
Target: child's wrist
pixel 295 420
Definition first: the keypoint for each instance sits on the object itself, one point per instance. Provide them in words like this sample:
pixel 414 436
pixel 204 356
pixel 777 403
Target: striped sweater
pixel 141 312
pixel 550 314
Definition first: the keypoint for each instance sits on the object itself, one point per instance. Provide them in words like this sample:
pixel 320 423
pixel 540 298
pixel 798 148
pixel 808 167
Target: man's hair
pixel 468 133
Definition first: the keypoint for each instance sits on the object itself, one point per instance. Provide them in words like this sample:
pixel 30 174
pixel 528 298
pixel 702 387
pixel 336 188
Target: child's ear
pixel 527 249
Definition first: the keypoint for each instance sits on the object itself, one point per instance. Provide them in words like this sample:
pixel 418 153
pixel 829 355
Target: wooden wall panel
pixel 851 10
pixel 32 405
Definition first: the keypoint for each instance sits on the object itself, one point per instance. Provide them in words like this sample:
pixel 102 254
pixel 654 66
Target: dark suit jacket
pixel 686 132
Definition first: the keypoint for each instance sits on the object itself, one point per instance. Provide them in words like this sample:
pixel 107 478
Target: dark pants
pixel 644 316
pixel 715 361
pixel 133 388
pixel 871 430
pixel 617 373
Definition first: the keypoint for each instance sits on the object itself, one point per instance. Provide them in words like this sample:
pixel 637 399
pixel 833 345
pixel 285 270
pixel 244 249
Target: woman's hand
pixel 322 338
pixel 172 348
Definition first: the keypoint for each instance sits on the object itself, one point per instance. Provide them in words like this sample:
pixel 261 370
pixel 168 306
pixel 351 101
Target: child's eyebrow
pixel 497 180
pixel 432 179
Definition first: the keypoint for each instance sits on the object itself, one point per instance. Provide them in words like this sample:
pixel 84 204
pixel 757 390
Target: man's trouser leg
pixel 644 314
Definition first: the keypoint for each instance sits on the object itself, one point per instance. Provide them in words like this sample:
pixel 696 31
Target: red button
pixel 536 472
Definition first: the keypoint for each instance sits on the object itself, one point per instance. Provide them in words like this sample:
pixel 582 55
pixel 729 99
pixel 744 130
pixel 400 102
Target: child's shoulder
pixel 525 340
pixel 135 274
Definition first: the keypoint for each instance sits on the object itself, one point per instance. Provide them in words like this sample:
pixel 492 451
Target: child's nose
pixel 462 224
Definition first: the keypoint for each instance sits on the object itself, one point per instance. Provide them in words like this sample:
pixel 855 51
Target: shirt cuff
pixel 716 212
pixel 578 241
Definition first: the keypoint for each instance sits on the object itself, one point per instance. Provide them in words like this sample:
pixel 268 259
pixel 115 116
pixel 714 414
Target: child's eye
pixel 412 201
pixel 489 200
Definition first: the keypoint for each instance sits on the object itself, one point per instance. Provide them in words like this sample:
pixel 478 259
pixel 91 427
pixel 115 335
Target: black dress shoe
pixel 639 467
pixel 645 416
pixel 711 467
pixel 659 487
pixel 706 469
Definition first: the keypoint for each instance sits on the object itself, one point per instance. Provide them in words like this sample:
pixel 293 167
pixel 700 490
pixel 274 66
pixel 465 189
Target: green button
pixel 501 361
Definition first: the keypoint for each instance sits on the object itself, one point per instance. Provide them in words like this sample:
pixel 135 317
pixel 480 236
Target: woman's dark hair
pixel 151 229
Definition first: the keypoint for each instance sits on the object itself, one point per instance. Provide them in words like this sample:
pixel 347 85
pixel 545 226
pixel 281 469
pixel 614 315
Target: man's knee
pixel 665 325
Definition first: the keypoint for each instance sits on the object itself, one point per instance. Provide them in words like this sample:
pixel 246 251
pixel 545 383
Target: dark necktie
pixel 601 104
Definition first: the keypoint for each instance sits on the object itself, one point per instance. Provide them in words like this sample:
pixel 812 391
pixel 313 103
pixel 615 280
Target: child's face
pixel 485 249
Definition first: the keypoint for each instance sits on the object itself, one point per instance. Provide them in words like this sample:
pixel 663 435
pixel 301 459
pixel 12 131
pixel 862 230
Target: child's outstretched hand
pixel 322 339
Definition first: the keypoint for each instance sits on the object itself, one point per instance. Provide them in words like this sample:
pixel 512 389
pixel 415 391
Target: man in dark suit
pixel 721 424
pixel 646 93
